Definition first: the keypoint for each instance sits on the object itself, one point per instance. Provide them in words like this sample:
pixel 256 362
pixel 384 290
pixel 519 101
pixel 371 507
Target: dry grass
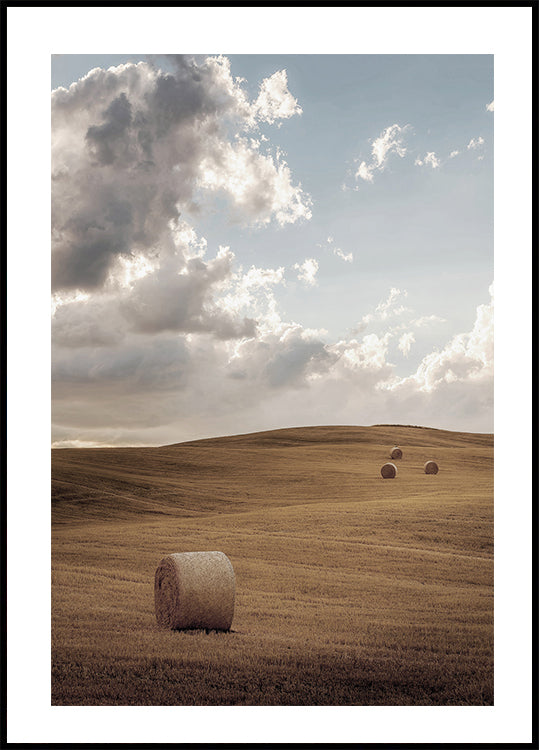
pixel 349 589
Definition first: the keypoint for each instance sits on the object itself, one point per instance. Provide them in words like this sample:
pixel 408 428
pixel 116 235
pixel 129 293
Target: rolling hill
pixel 350 589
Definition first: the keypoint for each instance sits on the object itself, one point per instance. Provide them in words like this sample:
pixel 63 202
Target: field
pixel 350 589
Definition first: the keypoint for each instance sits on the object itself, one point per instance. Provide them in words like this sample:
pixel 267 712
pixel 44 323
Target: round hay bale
pixel 195 590
pixel 388 471
pixel 395 453
pixel 431 467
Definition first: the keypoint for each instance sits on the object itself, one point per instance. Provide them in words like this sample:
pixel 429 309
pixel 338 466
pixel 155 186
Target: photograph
pixel 269 438
pixel 272 380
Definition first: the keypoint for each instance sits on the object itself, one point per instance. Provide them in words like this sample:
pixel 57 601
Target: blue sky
pixel 383 274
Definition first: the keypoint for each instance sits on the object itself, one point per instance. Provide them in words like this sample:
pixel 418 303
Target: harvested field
pixel 350 590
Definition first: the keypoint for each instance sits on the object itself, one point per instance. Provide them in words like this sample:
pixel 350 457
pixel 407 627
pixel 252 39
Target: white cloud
pixel 365 172
pixel 262 277
pixel 131 268
pixel 258 186
pixel 389 141
pixel 389 307
pixel 476 143
pixel 367 354
pixel 467 357
pixel 430 159
pixel 185 237
pixel 490 107
pixel 347 257
pixel 275 102
pixel 454 153
pixel 307 271
pixel 480 343
pixel 405 343
pixel 252 293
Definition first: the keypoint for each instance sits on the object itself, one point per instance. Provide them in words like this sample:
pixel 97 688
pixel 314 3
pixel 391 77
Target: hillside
pixel 350 589
pixel 277 467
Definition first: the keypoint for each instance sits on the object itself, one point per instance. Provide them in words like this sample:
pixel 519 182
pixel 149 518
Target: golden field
pixel 350 589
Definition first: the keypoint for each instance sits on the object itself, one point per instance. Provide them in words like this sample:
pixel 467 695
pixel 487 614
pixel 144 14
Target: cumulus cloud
pixel 365 171
pixel 367 354
pixel 172 301
pixel 307 271
pixel 391 305
pixel 430 159
pixel 390 141
pixel 405 343
pixel 181 294
pixel 454 153
pixel 275 102
pixel 476 142
pixel 133 147
pixel 252 294
pixel 258 185
pixel 467 357
pixel 347 257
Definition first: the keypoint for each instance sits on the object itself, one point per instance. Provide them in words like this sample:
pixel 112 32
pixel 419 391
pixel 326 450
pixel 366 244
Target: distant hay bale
pixel 431 467
pixel 388 471
pixel 395 453
pixel 195 590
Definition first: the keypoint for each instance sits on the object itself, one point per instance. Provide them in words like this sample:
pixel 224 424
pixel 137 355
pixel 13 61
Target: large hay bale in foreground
pixel 431 467
pixel 388 471
pixel 395 453
pixel 195 590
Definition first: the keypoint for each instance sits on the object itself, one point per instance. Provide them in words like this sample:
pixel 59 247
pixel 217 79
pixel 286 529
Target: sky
pixel 248 242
